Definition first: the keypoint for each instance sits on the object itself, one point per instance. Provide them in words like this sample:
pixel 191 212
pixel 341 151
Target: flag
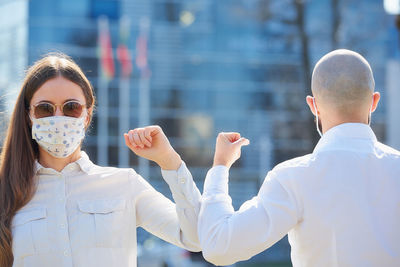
pixel 123 53
pixel 141 49
pixel 141 53
pixel 105 49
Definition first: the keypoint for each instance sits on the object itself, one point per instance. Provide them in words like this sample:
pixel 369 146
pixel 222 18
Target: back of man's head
pixel 342 81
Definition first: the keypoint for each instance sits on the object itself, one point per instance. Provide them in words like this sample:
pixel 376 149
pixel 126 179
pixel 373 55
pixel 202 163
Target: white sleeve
pixel 227 236
pixel 175 223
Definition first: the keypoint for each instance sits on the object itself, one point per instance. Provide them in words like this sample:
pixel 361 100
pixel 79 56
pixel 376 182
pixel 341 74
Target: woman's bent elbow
pixel 217 257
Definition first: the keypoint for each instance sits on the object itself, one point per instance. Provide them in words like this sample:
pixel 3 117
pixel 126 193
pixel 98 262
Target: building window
pixel 109 8
pixel 167 11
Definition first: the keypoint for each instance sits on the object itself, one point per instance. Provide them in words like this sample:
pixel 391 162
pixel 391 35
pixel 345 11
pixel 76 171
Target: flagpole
pixel 124 99
pixel 102 100
pixel 123 152
pixel 102 118
pixel 144 99
pixel 144 89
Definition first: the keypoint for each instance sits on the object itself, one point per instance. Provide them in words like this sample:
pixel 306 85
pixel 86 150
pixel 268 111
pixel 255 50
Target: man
pixel 340 205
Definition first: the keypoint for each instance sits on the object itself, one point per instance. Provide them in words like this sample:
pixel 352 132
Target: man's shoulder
pixel 299 162
pixel 290 171
pixel 387 149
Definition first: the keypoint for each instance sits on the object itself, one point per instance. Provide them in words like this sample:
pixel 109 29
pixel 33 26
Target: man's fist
pixel 151 143
pixel 228 147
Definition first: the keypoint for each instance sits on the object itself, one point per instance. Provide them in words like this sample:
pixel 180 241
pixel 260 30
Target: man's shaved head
pixel 343 80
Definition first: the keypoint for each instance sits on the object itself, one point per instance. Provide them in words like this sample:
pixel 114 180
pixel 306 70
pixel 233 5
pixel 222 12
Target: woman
pixel 57 207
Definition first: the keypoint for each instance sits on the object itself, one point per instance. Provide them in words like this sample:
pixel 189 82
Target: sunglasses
pixel 70 109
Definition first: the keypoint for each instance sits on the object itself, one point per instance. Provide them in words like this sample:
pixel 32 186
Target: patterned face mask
pixel 60 136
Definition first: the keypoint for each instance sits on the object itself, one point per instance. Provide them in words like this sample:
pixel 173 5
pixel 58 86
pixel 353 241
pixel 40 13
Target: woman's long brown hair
pixel 17 170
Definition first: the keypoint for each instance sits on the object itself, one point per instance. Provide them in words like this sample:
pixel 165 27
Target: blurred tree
pixel 300 22
pixel 335 23
pixel 291 15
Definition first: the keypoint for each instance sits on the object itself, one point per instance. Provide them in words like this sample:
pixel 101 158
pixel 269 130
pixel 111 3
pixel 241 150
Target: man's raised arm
pixel 227 236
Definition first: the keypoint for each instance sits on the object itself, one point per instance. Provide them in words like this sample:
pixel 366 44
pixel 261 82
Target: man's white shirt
pixel 340 206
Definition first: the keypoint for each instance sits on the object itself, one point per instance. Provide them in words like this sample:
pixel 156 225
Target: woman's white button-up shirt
pixel 86 215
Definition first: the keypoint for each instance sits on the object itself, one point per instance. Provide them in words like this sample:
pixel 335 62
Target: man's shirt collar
pixel 339 136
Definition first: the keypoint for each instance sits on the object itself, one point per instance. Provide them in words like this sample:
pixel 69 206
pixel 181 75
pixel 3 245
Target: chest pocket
pixel 29 231
pixel 106 221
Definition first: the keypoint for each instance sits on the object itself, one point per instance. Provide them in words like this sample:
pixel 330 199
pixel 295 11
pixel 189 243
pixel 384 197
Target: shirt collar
pixel 345 131
pixel 83 163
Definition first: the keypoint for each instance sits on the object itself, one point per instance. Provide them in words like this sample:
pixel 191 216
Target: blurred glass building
pixel 239 65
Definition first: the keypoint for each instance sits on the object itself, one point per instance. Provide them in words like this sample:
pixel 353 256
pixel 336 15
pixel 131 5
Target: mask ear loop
pixel 316 117
pixel 370 112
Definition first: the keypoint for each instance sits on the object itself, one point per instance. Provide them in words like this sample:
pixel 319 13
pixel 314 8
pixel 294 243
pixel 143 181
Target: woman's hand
pixel 151 143
pixel 228 148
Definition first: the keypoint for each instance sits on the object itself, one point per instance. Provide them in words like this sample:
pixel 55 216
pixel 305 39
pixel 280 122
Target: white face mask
pixel 60 136
pixel 316 117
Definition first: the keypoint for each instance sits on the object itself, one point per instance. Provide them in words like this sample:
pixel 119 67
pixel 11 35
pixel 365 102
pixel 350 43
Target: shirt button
pixel 65 253
pixel 62 226
pixel 182 180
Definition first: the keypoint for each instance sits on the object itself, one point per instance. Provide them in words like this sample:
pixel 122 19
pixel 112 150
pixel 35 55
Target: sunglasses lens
pixel 72 109
pixel 43 110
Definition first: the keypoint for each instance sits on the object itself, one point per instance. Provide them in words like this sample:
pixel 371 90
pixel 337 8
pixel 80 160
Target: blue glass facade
pixel 220 66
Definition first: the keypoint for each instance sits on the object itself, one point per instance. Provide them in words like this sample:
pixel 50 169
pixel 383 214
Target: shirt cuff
pixel 217 181
pixel 175 177
pixel 182 186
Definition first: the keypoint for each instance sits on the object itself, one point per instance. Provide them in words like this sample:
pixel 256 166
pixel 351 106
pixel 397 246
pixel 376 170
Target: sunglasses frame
pixel 55 106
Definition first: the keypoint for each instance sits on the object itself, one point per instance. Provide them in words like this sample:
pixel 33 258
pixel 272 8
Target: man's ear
pixel 375 100
pixel 310 103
